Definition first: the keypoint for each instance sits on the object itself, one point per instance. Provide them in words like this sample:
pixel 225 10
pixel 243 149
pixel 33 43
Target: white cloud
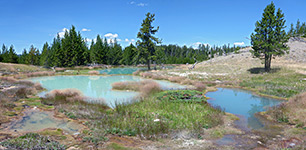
pixel 138 4
pixel 130 41
pixel 110 41
pixel 90 40
pixel 239 43
pixel 196 45
pixel 86 30
pixel 62 33
pixel 119 40
pixel 110 35
pixel 142 4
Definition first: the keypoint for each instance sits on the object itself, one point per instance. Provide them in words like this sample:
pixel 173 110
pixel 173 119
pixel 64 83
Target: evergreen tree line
pixel 72 50
pixel 298 30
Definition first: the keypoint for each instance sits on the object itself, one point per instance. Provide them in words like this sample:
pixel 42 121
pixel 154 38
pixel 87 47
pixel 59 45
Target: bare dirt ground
pixel 235 66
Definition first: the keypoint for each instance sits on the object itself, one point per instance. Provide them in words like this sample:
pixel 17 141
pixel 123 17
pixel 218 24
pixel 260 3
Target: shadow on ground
pixel 260 70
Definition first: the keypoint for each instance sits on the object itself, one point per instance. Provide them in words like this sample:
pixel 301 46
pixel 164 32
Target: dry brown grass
pixel 296 109
pixel 146 74
pixel 94 72
pixel 145 87
pixel 177 79
pixel 41 73
pixel 199 86
pixel 65 95
pixel 9 79
pixel 292 112
pixel 187 82
pixel 136 72
pixel 23 92
pixel 60 69
pixel 38 86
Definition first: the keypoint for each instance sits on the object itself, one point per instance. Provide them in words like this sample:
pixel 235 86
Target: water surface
pixel 242 103
pixel 119 70
pixel 98 86
pixel 35 120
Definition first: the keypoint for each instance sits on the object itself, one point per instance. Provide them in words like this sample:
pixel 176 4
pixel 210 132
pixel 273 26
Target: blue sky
pixel 182 22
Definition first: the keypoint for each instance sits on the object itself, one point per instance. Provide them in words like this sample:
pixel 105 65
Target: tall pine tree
pixel 147 41
pixel 270 37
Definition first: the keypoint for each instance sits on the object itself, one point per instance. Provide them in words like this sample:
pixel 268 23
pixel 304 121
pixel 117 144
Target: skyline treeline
pixel 72 50
pixel 297 30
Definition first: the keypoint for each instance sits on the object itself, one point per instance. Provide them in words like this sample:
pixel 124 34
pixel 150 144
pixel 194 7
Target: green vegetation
pixel 32 141
pixel 72 50
pixel 148 118
pixel 298 30
pixel 284 83
pixel 115 146
pixel 270 38
pixel 151 117
pixel 182 96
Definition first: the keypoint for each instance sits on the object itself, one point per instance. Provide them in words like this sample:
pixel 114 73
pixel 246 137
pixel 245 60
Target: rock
pixel 292 145
pixel 77 133
pixel 72 148
pixel 260 143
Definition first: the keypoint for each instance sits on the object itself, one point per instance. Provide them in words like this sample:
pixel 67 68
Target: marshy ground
pixel 169 119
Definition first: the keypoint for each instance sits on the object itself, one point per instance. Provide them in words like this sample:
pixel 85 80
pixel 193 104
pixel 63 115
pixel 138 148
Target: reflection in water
pixel 243 103
pixel 98 86
pixel 119 70
pixel 36 120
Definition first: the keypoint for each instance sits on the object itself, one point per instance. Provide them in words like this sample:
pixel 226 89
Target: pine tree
pixel 291 31
pixel 33 56
pixel 115 54
pixel 12 56
pixel 147 41
pixel 270 37
pixel 298 28
pixel 58 55
pixel 128 56
pixel 23 59
pixel 1 56
pixel 5 54
pixel 45 56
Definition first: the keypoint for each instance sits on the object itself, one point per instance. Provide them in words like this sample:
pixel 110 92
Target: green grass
pixel 182 96
pixel 152 117
pixel 115 146
pixel 147 118
pixel 285 83
pixel 32 141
